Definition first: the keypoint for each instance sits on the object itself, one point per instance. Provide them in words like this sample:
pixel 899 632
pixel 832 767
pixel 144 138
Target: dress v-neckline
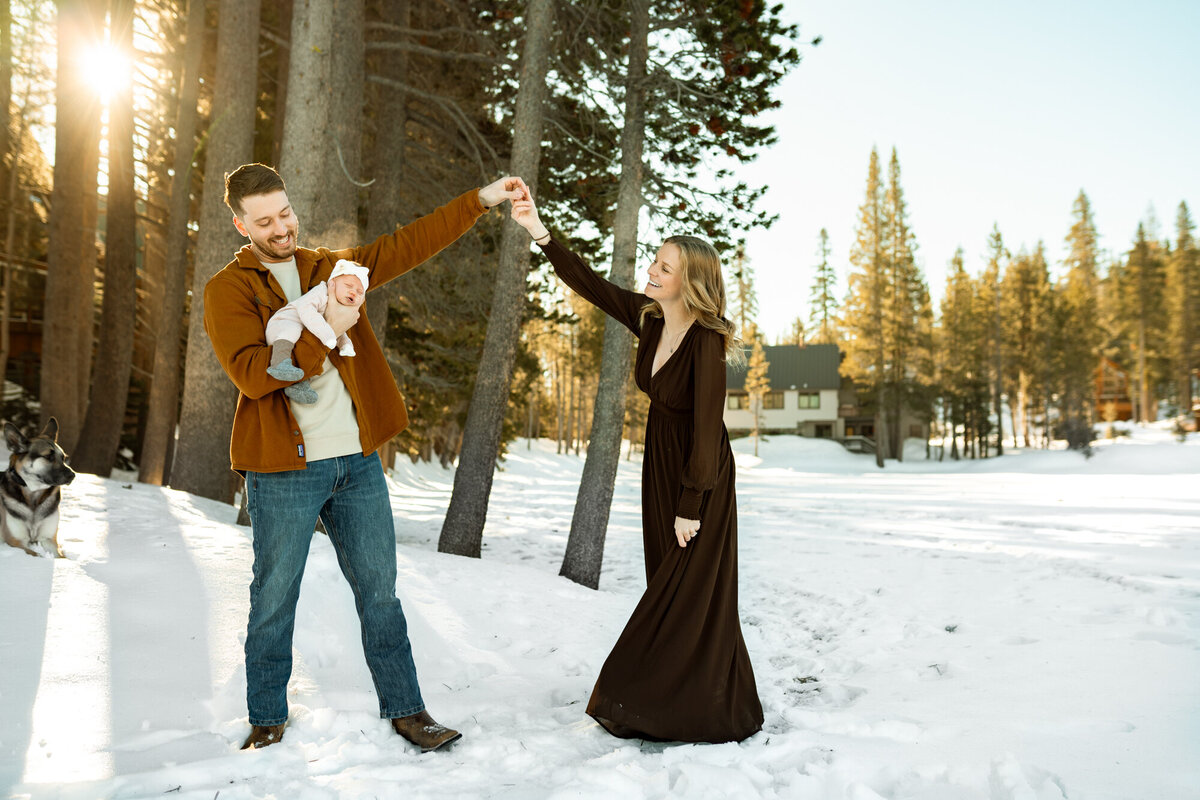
pixel 654 373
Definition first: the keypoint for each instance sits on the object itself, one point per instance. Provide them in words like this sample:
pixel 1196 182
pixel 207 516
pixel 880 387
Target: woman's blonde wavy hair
pixel 703 293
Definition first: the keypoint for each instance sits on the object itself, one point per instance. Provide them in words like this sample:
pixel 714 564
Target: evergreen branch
pixel 450 107
pixel 574 139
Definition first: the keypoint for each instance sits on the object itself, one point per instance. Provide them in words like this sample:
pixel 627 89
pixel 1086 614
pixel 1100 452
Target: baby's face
pixel 348 290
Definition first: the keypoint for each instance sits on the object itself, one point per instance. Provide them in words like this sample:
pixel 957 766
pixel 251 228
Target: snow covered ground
pixel 1021 628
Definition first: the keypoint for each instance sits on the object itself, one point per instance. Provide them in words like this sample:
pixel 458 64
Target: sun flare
pixel 105 69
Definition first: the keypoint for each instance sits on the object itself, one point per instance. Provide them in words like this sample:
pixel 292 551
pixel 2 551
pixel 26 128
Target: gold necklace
pixel 678 336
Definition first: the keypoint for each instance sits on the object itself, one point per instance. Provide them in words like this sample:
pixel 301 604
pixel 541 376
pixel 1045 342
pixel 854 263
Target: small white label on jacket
pixel 300 450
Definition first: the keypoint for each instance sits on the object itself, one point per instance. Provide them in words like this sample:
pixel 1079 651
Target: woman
pixel 679 670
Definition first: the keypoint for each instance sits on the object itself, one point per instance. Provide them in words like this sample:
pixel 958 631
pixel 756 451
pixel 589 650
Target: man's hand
pixel 341 318
pixel 507 188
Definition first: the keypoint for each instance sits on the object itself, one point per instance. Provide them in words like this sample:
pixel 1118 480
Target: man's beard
pixel 280 250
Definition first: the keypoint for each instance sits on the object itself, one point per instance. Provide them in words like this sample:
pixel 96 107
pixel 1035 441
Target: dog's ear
pixel 51 429
pixel 17 443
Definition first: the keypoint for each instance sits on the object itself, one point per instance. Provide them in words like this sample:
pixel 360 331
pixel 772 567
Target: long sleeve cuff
pixel 689 504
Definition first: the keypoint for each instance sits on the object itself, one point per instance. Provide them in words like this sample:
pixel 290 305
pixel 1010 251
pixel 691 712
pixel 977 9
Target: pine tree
pixel 823 300
pixel 991 301
pixel 462 529
pixel 907 314
pixel 101 436
pixel 163 407
pixel 1142 299
pixel 67 325
pixel 201 464
pixel 1183 304
pixel 1079 316
pixel 757 384
pixel 964 374
pixel 1025 314
pixel 863 312
pixel 589 522
pixel 795 334
pixel 744 307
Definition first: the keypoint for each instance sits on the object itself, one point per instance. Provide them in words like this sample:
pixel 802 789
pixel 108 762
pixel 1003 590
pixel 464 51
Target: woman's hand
pixel 525 214
pixel 686 530
pixel 507 188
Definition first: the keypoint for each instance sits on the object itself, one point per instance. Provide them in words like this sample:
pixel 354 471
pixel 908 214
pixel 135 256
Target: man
pixel 301 461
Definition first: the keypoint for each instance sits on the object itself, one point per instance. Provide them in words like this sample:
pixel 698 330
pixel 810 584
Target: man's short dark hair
pixel 247 180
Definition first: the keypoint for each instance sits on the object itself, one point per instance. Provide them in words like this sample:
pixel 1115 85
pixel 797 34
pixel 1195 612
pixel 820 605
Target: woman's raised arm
pixel 619 303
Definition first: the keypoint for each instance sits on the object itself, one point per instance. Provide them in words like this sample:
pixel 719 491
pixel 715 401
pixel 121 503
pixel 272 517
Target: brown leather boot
pixel 263 736
pixel 424 732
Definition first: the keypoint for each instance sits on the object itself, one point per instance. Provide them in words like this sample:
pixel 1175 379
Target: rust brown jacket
pixel 240 299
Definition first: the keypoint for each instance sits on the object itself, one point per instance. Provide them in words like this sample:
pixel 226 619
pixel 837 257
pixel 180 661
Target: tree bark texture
pixel 97 449
pixel 162 411
pixel 462 531
pixel 322 130
pixel 64 378
pixel 201 464
pixel 589 523
pixel 387 159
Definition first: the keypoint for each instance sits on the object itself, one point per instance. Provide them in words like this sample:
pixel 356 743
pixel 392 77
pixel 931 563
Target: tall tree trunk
pixel 6 62
pixel 14 181
pixel 10 231
pixel 88 263
pixel 284 8
pixel 162 411
pixel 201 463
pixel 1144 402
pixel 999 405
pixel 589 524
pixel 881 434
pixel 387 159
pixel 105 420
pixel 572 401
pixel 64 375
pixel 558 405
pixel 462 531
pixel 1022 408
pixel 322 131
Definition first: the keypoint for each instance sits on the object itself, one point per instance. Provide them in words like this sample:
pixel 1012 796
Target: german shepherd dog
pixel 31 487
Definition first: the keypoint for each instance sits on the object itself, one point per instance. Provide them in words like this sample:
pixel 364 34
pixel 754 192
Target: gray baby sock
pixel 282 367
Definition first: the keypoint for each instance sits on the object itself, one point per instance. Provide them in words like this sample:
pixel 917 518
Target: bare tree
pixel 589 524
pixel 202 457
pixel 462 531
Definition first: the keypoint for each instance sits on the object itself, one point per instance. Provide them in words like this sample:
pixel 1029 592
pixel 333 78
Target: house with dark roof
pixel 807 396
pixel 803 396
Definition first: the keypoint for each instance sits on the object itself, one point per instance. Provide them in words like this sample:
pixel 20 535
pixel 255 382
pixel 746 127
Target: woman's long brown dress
pixel 679 670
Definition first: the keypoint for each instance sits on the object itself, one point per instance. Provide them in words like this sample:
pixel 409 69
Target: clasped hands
pixel 341 317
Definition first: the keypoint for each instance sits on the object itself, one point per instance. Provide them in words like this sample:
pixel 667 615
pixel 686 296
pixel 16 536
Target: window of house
pixel 773 400
pixel 824 431
pixel 810 400
pixel 737 402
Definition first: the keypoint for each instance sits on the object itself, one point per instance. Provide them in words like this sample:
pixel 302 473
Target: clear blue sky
pixel 1000 112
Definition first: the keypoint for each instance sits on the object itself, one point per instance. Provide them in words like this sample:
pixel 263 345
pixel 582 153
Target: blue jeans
pixel 350 495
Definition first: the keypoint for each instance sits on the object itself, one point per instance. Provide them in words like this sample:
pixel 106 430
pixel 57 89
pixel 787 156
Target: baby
pixel 348 283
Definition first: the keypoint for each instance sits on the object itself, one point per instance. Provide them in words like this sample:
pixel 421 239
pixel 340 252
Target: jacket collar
pixel 306 265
